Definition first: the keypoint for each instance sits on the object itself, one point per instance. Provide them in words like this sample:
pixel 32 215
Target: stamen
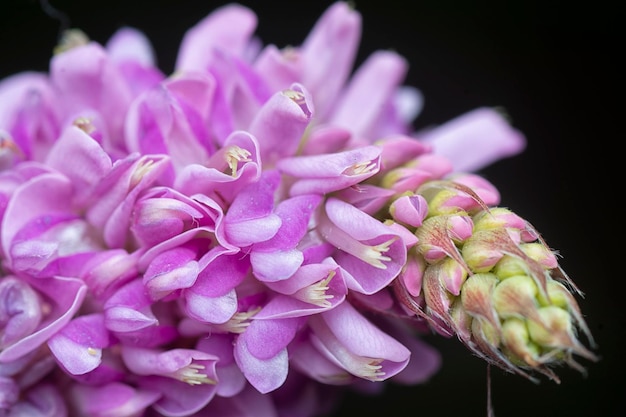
pixel 361 168
pixel 316 293
pixel 142 169
pixel 70 39
pixel 85 124
pixel 372 370
pixel 239 322
pixel 298 98
pixel 192 376
pixel 234 155
pixel 373 255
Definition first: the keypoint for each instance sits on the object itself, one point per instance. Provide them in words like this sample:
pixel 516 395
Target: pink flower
pixel 255 232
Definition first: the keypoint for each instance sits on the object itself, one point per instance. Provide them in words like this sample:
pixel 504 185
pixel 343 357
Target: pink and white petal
pixel 78 345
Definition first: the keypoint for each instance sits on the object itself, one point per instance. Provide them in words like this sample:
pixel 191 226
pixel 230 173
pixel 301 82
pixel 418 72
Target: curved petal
pixel 475 139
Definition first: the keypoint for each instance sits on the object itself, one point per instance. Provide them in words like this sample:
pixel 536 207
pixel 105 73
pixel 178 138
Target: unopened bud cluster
pixel 484 274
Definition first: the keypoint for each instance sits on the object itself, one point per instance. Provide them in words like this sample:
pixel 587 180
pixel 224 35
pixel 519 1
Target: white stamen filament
pixel 85 124
pixel 142 169
pixel 296 96
pixel 239 322
pixel 7 144
pixel 361 168
pixel 373 255
pixel 192 376
pixel 372 370
pixel 316 293
pixel 234 155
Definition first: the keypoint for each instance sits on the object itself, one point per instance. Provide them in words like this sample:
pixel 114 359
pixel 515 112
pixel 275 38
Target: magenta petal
pixel 118 191
pixel 256 200
pixel 78 346
pixel 371 252
pixel 279 68
pixel 475 139
pixel 212 298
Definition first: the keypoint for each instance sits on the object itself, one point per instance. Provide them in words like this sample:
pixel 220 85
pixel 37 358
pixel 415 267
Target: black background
pixel 552 66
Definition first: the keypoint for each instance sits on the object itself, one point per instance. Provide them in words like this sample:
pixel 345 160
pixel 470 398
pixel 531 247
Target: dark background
pixel 552 66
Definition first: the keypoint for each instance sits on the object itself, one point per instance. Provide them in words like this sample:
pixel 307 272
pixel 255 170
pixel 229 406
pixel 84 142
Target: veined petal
pixel 321 174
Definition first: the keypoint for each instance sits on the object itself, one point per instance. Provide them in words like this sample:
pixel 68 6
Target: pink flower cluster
pixel 212 242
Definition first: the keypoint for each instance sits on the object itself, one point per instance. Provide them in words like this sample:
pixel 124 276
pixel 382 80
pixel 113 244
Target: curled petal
pixel 20 311
pixel 64 297
pixel 280 123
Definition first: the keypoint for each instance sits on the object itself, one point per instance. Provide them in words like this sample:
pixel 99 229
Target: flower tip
pixel 70 39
